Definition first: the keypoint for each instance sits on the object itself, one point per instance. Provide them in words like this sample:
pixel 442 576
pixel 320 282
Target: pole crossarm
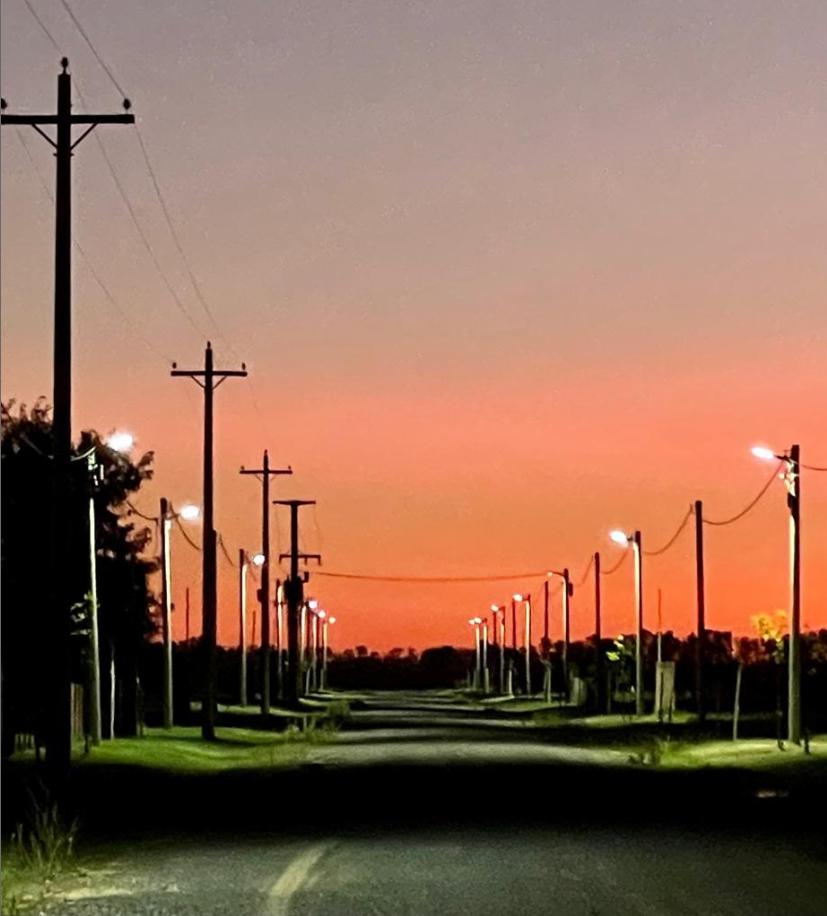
pixel 93 119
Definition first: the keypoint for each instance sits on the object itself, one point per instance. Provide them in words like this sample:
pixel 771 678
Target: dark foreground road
pixel 410 815
pixel 578 871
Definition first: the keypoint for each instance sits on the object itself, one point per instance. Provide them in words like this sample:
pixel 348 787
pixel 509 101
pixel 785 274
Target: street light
pixel 498 610
pixel 475 623
pixel 189 512
pixel 167 515
pixel 118 442
pixel 624 539
pixel 792 480
pixel 258 559
pixel 514 599
pixel 326 621
pixel 528 645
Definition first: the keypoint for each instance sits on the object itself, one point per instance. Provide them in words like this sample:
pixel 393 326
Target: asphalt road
pixel 588 871
pixel 405 814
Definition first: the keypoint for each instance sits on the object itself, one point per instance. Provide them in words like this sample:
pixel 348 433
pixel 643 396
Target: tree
pixel 125 602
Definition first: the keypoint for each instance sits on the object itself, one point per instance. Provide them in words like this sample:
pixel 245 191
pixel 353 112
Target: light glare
pixel 762 452
pixel 120 441
pixel 189 512
pixel 258 559
pixel 619 537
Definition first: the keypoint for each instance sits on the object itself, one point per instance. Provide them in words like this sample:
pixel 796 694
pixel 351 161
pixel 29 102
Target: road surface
pixel 413 812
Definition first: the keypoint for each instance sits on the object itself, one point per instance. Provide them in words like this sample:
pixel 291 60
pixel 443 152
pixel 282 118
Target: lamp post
pixel 244 560
pixel 326 621
pixel 188 512
pixel 475 623
pixel 486 685
pixel 120 442
pixel 280 638
pixel 498 625
pixel 792 481
pixel 623 539
pixel 527 628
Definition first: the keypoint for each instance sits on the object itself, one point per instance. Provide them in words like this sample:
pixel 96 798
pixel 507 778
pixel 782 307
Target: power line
pixel 223 547
pixel 586 572
pixel 90 266
pixel 92 48
pixel 187 538
pixel 134 510
pixel 427 579
pixel 40 22
pixel 671 541
pixel 750 506
pixel 812 467
pixel 616 567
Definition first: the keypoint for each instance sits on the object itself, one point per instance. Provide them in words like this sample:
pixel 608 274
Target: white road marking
pixel 292 879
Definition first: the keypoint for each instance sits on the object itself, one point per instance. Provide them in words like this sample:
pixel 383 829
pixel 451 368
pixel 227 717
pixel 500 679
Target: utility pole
pixel 264 473
pixel 166 603
pixel 545 615
pixel 187 612
pixel 280 638
pixel 293 592
pixel 513 623
pixel 636 544
pixel 792 479
pixel 58 730
pixel 567 592
pixel 528 645
pixel 242 625
pixel 700 644
pixel 94 700
pixel 209 379
pixel 598 636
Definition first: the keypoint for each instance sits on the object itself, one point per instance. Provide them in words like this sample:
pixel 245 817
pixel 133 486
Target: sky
pixel 504 275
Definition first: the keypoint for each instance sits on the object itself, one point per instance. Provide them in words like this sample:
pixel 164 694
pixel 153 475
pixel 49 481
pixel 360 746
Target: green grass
pixel 753 754
pixel 181 750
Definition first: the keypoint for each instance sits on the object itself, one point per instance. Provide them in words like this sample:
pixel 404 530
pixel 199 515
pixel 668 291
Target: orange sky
pixel 504 277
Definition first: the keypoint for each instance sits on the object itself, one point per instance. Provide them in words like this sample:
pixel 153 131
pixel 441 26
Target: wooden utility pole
pixel 598 636
pixel 545 617
pixel 64 530
pixel 264 473
pixel 567 593
pixel 166 604
pixel 242 625
pixel 700 642
pixel 187 612
pixel 792 478
pixel 294 593
pixel 209 379
pixel 636 544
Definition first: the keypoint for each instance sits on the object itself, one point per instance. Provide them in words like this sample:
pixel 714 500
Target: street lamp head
pixel 762 452
pixel 619 537
pixel 495 608
pixel 312 604
pixel 120 441
pixel 189 512
pixel 258 559
pixel 331 620
pixel 517 597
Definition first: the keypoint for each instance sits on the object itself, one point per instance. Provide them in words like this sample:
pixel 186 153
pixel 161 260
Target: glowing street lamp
pixel 498 627
pixel 624 540
pixel 792 480
pixel 188 512
pixel 326 621
pixel 475 623
pixel 515 598
pixel 120 441
pixel 527 628
pixel 258 559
